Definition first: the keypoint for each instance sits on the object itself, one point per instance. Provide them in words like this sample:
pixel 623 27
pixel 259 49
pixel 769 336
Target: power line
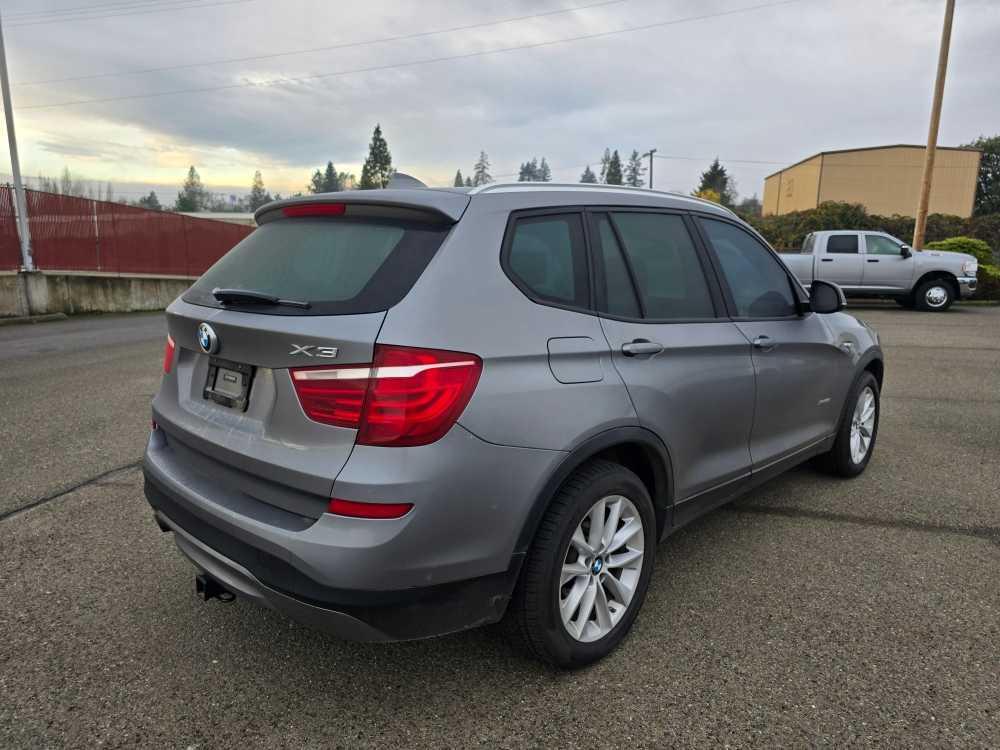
pixel 193 5
pixel 413 63
pixel 121 5
pixel 328 48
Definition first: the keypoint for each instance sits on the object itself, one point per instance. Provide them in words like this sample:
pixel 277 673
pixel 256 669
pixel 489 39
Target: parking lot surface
pixel 812 611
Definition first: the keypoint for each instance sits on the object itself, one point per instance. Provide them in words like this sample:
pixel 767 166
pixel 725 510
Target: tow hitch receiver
pixel 207 588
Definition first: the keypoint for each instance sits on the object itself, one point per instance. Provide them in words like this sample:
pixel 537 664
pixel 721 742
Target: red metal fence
pixel 79 234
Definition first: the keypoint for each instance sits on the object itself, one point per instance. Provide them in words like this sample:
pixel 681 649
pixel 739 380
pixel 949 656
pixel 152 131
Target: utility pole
pixel 932 135
pixel 15 163
pixel 650 155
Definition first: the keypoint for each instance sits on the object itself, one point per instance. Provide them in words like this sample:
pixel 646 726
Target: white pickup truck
pixel 876 264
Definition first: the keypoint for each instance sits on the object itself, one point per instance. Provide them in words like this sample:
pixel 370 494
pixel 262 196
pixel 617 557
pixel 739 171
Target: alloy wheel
pixel 863 425
pixel 601 568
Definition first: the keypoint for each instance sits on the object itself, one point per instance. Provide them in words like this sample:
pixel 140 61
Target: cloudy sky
pixel 237 85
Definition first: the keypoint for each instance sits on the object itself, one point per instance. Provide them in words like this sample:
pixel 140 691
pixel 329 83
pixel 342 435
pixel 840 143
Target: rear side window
pixel 665 265
pixel 757 280
pixel 548 260
pixel 619 293
pixel 842 243
pixel 338 265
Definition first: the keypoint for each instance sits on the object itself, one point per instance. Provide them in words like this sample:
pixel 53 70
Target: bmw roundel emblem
pixel 207 339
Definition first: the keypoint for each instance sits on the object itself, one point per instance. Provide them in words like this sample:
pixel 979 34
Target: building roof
pixel 871 148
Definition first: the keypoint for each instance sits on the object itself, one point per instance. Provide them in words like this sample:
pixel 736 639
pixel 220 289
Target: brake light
pixel 168 354
pixel 315 209
pixel 368 510
pixel 407 396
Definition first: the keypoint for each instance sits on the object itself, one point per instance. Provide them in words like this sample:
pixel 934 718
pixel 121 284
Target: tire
pixel 843 459
pixel 935 295
pixel 906 302
pixel 534 618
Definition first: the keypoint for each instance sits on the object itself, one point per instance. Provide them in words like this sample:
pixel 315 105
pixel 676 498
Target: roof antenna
pixel 404 181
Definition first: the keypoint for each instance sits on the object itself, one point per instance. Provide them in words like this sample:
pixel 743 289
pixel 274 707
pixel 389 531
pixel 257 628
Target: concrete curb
pixel 33 319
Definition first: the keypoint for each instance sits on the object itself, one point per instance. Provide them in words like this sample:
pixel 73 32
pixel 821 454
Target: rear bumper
pixel 966 286
pixel 406 614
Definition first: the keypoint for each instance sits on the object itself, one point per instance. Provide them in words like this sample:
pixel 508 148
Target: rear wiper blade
pixel 250 297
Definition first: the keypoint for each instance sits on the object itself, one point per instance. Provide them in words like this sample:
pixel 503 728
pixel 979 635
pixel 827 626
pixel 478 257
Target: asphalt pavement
pixel 813 611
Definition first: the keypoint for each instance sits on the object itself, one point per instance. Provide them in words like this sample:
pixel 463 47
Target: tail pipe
pixel 207 588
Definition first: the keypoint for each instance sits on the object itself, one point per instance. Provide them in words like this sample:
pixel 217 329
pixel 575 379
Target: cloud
pixel 773 84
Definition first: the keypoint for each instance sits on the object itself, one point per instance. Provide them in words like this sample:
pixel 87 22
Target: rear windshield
pixel 338 265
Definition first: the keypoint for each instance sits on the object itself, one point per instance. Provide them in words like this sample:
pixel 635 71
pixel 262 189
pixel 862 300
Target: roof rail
pixel 601 187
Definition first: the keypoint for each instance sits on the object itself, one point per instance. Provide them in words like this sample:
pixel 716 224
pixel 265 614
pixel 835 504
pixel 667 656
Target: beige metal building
pixel 884 179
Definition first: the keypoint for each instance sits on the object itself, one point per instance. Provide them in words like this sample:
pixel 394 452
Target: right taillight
pixel 168 354
pixel 407 396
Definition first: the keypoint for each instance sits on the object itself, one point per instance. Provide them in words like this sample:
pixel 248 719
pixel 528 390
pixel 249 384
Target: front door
pixel 885 266
pixel 799 365
pixel 686 367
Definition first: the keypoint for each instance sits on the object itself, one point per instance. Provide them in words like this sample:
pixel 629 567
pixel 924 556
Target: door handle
pixel 641 346
pixel 826 260
pixel 763 343
pixel 873 260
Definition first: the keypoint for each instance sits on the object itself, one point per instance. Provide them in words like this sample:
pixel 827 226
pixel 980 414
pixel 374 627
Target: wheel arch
pixel 947 276
pixel 636 448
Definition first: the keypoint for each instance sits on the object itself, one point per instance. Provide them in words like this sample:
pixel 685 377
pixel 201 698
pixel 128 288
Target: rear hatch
pixel 310 287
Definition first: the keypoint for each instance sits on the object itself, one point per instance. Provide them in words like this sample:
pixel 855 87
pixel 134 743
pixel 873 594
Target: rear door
pixel 686 367
pixel 229 406
pixel 841 262
pixel 800 368
pixel 885 266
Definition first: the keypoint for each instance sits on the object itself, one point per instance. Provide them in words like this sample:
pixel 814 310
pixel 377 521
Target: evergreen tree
pixel 716 179
pixel 331 180
pixel 529 171
pixel 468 182
pixel 588 176
pixel 258 195
pixel 150 201
pixel 634 171
pixel 605 163
pixel 614 171
pixel 192 196
pixel 481 170
pixel 543 174
pixel 459 182
pixel 987 199
pixel 316 183
pixel 377 169
pixel 109 193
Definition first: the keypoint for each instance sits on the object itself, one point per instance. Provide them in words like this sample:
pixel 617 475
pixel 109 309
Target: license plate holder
pixel 228 383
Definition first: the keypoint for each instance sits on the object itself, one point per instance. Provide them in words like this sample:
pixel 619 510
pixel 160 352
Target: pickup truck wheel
pixel 855 440
pixel 586 574
pixel 935 295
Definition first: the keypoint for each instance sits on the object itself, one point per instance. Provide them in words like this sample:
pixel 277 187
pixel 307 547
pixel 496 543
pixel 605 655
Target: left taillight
pixel 168 354
pixel 407 396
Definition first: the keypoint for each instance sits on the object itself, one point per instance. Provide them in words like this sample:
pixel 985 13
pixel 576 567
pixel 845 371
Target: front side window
pixel 842 243
pixel 876 244
pixel 547 258
pixel 758 282
pixel 665 265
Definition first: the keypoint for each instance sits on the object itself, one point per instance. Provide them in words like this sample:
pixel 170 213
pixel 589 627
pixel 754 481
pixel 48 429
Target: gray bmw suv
pixel 396 414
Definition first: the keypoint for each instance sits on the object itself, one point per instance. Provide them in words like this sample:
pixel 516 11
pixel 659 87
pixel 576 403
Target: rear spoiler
pixel 426 204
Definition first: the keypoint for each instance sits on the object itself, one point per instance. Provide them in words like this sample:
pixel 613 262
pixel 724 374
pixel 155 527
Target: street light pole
pixel 925 186
pixel 650 155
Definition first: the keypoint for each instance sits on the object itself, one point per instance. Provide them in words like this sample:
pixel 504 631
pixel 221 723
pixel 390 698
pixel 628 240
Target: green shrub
pixel 969 245
pixel 988 282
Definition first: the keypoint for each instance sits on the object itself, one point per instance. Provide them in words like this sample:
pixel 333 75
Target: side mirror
pixel 826 297
pixel 905 250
